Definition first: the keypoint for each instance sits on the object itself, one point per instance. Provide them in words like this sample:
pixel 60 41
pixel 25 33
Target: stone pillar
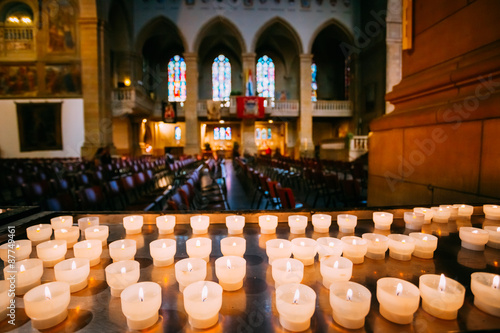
pixel 394 48
pixel 95 86
pixel 306 148
pixel 248 125
pixel 193 145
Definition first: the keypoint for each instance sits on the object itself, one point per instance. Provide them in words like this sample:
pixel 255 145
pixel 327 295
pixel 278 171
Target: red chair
pixel 287 198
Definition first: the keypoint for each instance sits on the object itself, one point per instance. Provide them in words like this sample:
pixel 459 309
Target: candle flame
pixel 131 220
pixel 322 218
pixel 123 246
pixel 297 219
pixel 498 229
pixel 496 282
pixel 96 230
pixel 234 244
pixel 267 218
pixel 336 264
pixel 288 267
pixel 164 246
pixel 48 295
pixel 198 244
pixel 88 222
pixel 228 264
pixel 73 265
pixel 37 229
pixel 442 283
pixel 204 293
pixel 353 242
pixel 141 294
pixel 296 296
pixel 21 269
pixel 189 267
pixel 55 246
pixel 494 207
pixel 399 289
pixel 64 231
pixel 17 247
pixel 330 244
pixel 123 270
pixel 302 244
pixel 424 239
pixel 403 241
pixel 376 240
pixel 199 219
pixel 349 294
pixel 281 245
pixel 475 231
pixel 382 215
pixel 62 220
pixel 414 216
pixel 89 245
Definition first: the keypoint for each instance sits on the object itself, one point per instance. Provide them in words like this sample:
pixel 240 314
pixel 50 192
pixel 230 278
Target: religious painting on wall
pixel 62 32
pixel 169 113
pixel 18 80
pixel 39 126
pixel 63 79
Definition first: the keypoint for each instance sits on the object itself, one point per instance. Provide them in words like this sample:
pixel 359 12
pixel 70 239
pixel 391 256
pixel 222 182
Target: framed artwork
pixel 63 79
pixel 169 113
pixel 39 126
pixel 18 80
pixel 62 31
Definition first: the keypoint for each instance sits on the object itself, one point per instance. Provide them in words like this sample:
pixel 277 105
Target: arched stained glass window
pixel 221 79
pixel 314 84
pixel 265 77
pixel 177 79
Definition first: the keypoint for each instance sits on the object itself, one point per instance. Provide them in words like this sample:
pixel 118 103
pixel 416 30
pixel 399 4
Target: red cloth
pixel 250 107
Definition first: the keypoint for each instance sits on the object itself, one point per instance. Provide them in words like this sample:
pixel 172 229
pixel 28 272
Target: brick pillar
pixel 305 121
pixel 248 125
pixel 193 145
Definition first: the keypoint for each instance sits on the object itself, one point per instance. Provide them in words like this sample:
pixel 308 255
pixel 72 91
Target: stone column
pixel 394 48
pixel 248 125
pixel 193 145
pixel 306 107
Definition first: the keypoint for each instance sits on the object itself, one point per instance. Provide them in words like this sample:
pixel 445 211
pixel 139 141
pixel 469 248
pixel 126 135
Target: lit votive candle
pixel 329 246
pixel 51 252
pixel 235 224
pixel 123 249
pixel 190 270
pixel 199 247
pixel 121 274
pixel 441 214
pixel 398 299
pixel 73 271
pixel 140 304
pixel 321 223
pixel 133 224
pixel 87 222
pixel 494 237
pixel 296 304
pixel 16 250
pixel 377 245
pixel 90 249
pixel 163 252
pixel 278 248
pixel 26 274
pixel 335 269
pixel 100 233
pixel 428 213
pixel 39 233
pixel 441 296
pixel 347 223
pixel 202 302
pixel 165 224
pixel 47 305
pixel 199 224
pixel 268 224
pixel 486 290
pixel 233 246
pixel 354 249
pixel 304 249
pixel 401 247
pixel 297 224
pixel 70 235
pixel 61 222
pixel 350 304
pixel 230 270
pixel 453 210
pixel 491 212
pixel 473 238
pixel 425 245
pixel 414 221
pixel 464 210
pixel 287 270
pixel 382 220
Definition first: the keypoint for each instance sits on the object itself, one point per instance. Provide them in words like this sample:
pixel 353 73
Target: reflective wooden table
pixel 253 308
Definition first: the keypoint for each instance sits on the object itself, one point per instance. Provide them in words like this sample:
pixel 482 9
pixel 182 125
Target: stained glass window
pixel 177 79
pixel 314 84
pixel 177 133
pixel 221 79
pixel 265 77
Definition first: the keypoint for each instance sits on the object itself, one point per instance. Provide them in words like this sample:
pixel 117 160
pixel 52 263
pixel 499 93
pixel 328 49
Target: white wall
pixel 71 125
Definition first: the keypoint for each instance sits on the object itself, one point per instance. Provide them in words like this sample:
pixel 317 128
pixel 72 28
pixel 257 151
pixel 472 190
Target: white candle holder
pixel 230 270
pixel 494 237
pixel 398 300
pixel 486 290
pixel 304 249
pixel 441 300
pixel 99 232
pixel 61 222
pixel 382 220
pixel 26 275
pixel 51 252
pixel 121 274
pixel 87 222
pixel 18 250
pixel 287 270
pixel 350 304
pixel 335 270
pixel 200 224
pixel 163 251
pixel 354 248
pixel 202 302
pixel 133 224
pixel 39 233
pixel 297 224
pixel 428 213
pixel 123 249
pixel 425 245
pixel 140 304
pixel 235 224
pixel 278 248
pixel 329 246
pixel 73 271
pixel 90 249
pixel 414 221
pixel 464 210
pixel 377 245
pixel 165 224
pixel 190 270
pixel 70 235
pixel 47 304
pixel 199 247
pixel 473 238
pixel 233 246
pixel 268 224
pixel 295 304
pixel 321 222
pixel 401 247
pixel 347 223
pixel 441 214
pixel 453 210
pixel 491 212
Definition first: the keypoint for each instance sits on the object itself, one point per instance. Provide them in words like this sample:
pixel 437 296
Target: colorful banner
pixel 250 107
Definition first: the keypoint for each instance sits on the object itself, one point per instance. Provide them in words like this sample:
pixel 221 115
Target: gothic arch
pixel 295 36
pixel 347 35
pixel 151 26
pixel 233 29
